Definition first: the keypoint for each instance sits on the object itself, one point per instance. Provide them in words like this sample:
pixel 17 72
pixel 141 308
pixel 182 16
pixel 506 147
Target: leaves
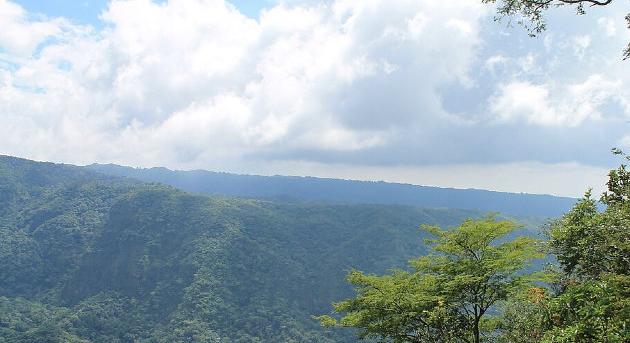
pixel 589 298
pixel 448 294
pixel 531 13
pixel 114 260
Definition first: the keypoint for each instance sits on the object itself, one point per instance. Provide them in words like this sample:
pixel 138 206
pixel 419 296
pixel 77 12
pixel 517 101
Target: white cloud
pixel 197 79
pixel 20 36
pixel 608 25
pixel 197 84
pixel 527 63
pixel 523 99
pixel 555 105
pixel 494 61
pixel 581 44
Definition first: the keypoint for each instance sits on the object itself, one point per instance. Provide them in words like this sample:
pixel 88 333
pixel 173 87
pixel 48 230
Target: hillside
pixel 86 257
pixel 337 191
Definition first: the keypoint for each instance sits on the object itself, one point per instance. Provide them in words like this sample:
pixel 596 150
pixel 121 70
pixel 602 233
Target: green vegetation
pixel 475 286
pixel 448 295
pixel 88 257
pixel 591 298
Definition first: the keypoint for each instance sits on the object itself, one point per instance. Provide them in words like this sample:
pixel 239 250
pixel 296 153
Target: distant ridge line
pixel 340 191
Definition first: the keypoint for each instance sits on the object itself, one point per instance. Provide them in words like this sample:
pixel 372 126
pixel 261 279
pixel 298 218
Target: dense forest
pixel 105 253
pixel 91 257
pixel 86 257
pixel 477 283
pixel 345 191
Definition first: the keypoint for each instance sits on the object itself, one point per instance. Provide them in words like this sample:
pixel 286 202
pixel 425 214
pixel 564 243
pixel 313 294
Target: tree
pixel 448 294
pixel 589 297
pixel 592 303
pixel 530 13
pixel 523 317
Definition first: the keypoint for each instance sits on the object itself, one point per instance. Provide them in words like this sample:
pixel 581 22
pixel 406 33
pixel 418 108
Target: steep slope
pixel 86 257
pixel 346 191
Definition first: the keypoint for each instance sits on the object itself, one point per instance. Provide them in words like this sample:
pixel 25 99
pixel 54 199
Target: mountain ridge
pixel 330 190
pixel 87 257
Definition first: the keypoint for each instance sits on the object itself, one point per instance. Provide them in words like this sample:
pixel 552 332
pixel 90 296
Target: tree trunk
pixel 476 338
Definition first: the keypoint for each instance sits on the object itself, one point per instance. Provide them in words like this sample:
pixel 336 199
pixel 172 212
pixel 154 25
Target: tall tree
pixel 589 299
pixel 592 303
pixel 530 13
pixel 447 295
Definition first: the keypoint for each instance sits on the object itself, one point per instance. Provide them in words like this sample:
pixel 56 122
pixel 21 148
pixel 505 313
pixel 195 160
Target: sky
pixel 415 91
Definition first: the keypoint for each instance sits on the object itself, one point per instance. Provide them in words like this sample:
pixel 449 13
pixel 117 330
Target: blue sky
pixel 84 12
pixel 416 91
pixel 88 11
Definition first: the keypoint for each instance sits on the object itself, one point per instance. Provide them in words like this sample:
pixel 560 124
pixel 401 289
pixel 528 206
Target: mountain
pixel 89 257
pixel 337 191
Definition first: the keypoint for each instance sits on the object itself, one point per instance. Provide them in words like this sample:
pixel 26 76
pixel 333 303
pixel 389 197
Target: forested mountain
pixel 86 257
pixel 338 191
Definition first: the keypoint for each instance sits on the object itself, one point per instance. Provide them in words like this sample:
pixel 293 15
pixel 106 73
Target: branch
pixel 592 2
pixel 572 2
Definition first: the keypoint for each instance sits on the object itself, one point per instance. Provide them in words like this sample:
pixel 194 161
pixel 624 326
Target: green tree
pixel 589 298
pixel 523 317
pixel 448 294
pixel 593 248
pixel 530 13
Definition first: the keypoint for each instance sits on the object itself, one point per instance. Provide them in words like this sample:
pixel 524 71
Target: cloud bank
pixel 375 84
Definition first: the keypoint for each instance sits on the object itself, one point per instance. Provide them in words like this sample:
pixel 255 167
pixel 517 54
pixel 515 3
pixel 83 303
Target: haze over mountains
pixel 489 118
pixel 338 191
pixel 89 257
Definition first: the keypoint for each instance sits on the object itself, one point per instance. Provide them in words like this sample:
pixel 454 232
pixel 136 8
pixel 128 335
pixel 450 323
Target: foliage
pixel 448 295
pixel 88 257
pixel 591 311
pixel 523 317
pixel 589 298
pixel 530 13
pixel 593 248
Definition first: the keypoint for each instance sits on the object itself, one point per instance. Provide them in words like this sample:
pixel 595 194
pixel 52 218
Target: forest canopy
pixel 475 287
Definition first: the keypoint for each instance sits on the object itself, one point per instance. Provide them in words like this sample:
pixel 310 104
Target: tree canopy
pixel 448 294
pixel 474 285
pixel 591 302
pixel 588 296
pixel 86 257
